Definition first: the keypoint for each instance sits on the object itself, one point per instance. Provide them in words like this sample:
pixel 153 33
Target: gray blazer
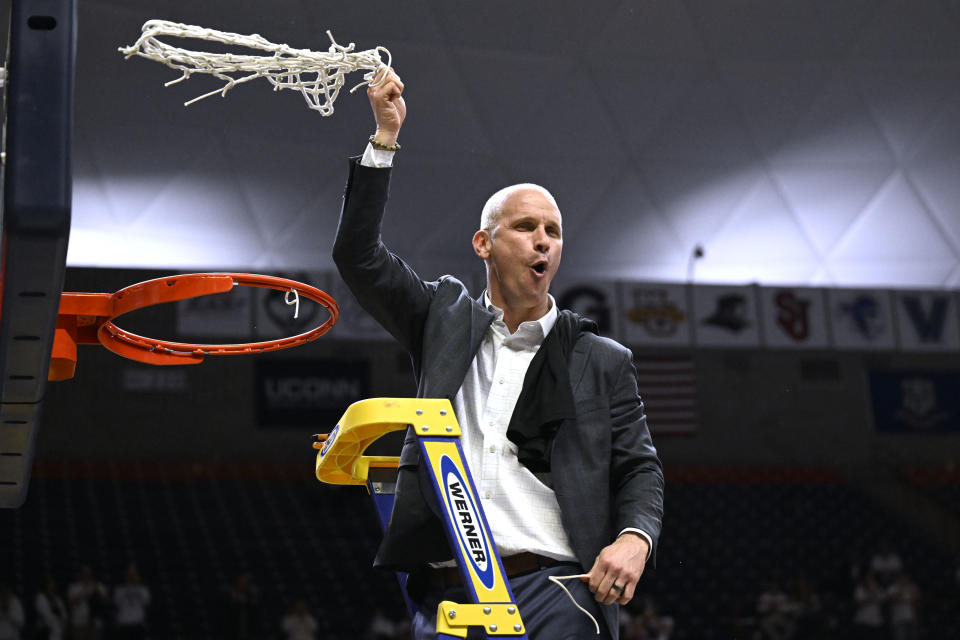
pixel 605 470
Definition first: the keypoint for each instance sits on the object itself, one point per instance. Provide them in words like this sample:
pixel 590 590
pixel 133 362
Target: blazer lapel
pixel 564 452
pixel 480 321
pixel 446 374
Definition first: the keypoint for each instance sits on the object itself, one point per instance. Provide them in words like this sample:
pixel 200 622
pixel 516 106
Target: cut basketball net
pixel 283 68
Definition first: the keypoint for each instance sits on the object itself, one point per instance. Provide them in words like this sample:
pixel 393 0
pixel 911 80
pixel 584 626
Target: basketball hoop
pixel 88 318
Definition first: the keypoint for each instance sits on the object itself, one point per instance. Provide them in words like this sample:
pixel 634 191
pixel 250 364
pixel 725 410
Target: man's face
pixel 522 251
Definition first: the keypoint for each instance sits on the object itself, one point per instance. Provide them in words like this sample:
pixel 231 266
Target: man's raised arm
pixel 382 283
pixel 389 110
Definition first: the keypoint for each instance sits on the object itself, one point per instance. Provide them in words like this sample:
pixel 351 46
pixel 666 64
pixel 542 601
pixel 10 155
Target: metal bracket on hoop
pixel 87 318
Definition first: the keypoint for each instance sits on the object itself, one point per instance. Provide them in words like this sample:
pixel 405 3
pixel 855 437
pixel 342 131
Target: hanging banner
pixel 668 388
pixel 794 318
pixel 725 316
pixel 141 379
pixel 277 314
pixel 222 315
pixel 860 319
pixel 916 401
pixel 927 320
pixel 291 392
pixel 655 314
pixel 645 314
pixel 596 300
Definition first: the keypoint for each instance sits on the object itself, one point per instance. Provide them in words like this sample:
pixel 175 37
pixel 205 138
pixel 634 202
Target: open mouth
pixel 540 267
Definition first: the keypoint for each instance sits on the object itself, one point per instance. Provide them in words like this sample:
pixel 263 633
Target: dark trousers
pixel 546 610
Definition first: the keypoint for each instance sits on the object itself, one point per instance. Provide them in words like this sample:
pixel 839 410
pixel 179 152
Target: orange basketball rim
pixel 87 318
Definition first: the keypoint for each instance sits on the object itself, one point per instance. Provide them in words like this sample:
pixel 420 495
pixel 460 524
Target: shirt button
pixel 493 449
pixel 487 495
pixel 501 380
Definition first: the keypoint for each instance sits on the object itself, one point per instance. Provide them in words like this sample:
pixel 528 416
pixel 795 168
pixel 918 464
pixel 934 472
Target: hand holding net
pixel 318 76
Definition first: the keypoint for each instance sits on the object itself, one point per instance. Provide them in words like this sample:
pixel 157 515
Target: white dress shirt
pixel 522 512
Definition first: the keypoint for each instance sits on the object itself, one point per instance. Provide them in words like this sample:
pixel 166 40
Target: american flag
pixel 668 388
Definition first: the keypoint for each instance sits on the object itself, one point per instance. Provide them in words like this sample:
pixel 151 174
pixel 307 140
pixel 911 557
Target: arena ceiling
pixel 797 141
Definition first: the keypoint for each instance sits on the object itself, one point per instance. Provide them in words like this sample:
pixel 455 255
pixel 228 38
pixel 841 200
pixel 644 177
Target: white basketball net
pixel 284 68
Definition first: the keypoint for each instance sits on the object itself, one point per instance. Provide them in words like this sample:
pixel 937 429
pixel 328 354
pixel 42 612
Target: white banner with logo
pixel 927 320
pixel 279 314
pixel 725 316
pixel 597 300
pixel 794 318
pixel 860 319
pixel 655 314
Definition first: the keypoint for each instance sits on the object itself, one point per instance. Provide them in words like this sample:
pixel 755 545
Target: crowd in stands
pixel 88 615
pixel 884 603
pixel 87 610
pixel 643 621
pixel 208 573
pixel 886 599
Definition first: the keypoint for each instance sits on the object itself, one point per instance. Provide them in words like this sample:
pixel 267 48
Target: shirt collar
pixel 546 321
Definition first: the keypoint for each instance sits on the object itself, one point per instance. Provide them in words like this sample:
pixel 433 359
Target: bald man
pixel 553 427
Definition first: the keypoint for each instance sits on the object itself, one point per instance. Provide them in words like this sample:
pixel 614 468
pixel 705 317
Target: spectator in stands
pixel 131 600
pixel 885 564
pixel 402 628
pixel 869 599
pixel 807 612
pixel 626 620
pixel 856 572
pixel 903 597
pixel 956 589
pixel 243 609
pixel 648 624
pixel 381 627
pixel 775 613
pixel 11 614
pixel 298 624
pixel 88 601
pixel 51 612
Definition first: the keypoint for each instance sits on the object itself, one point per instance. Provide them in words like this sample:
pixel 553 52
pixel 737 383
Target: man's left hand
pixel 619 564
